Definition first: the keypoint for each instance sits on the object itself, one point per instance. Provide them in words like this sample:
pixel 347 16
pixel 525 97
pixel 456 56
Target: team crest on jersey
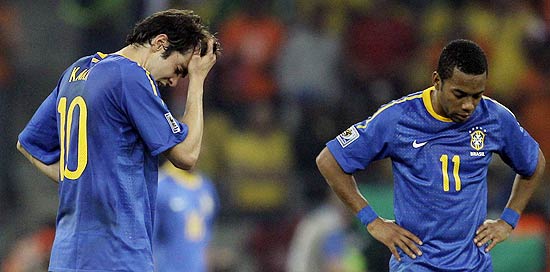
pixel 477 141
pixel 172 122
pixel 347 137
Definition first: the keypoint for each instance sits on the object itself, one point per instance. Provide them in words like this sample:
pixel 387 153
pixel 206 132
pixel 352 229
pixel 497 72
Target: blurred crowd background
pixel 293 75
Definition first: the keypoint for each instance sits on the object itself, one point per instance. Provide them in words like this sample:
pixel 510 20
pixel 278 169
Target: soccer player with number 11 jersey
pixel 440 141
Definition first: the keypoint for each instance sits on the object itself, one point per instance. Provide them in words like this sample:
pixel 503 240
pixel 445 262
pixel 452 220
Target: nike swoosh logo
pixel 417 145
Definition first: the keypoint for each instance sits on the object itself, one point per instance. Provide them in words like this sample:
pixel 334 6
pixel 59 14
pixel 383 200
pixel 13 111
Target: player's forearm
pixel 194 117
pixel 524 187
pixel 186 153
pixel 51 170
pixel 342 184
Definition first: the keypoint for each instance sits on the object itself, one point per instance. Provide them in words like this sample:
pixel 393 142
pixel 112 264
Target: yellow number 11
pixel 444 159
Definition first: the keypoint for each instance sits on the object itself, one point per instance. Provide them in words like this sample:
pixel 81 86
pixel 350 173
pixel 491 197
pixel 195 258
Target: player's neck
pixel 435 103
pixel 138 54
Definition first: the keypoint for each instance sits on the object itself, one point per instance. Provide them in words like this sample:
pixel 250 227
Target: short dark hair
pixel 184 29
pixel 463 54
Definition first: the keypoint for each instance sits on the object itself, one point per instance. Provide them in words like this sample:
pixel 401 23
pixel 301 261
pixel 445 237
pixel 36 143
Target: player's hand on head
pixel 199 66
pixel 492 232
pixel 394 236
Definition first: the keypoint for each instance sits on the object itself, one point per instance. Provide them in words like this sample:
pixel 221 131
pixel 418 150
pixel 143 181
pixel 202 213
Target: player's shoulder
pixel 395 108
pixel 89 61
pixel 83 61
pixel 495 108
pixel 119 67
pixel 387 116
pixel 407 101
pixel 78 70
pixel 120 62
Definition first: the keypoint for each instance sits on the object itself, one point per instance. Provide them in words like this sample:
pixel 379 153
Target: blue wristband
pixel 510 216
pixel 367 215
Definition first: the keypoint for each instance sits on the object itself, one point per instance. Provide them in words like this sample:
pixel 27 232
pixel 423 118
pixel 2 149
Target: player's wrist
pixel 511 217
pixel 367 215
pixel 197 80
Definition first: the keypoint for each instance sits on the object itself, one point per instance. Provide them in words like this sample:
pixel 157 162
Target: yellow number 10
pixel 444 159
pixel 66 122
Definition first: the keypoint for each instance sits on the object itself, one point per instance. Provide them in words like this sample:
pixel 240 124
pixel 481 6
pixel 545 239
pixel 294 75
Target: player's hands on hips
pixel 393 236
pixel 492 231
pixel 200 66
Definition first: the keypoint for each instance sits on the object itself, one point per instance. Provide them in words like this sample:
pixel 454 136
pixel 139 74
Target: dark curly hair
pixel 184 29
pixel 465 55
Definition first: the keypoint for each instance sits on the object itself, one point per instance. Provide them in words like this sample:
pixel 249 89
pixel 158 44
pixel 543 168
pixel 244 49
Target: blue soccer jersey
pixel 186 206
pixel 106 124
pixel 440 173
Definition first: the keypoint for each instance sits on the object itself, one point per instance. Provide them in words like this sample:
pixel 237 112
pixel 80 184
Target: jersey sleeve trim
pixel 499 104
pixel 529 168
pixel 147 73
pixel 395 102
pixel 379 147
pixel 153 85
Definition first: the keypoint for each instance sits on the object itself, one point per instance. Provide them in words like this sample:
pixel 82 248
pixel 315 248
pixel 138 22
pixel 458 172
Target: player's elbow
pixel 182 157
pixel 542 159
pixel 20 147
pixel 541 163
pixel 187 162
pixel 321 160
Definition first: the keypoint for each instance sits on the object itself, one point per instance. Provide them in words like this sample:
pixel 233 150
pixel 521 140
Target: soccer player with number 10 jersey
pixel 99 134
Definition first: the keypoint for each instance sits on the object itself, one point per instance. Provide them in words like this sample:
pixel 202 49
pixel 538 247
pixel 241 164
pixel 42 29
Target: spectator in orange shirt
pixel 252 39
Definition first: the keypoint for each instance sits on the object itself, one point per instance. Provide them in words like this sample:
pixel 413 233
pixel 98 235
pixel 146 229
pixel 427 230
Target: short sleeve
pixel 364 142
pixel 148 113
pixel 518 149
pixel 40 137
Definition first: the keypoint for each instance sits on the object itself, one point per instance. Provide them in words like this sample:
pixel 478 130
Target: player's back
pixel 108 181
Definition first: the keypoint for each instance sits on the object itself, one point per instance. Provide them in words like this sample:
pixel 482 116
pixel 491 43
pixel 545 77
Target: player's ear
pixel 436 80
pixel 159 42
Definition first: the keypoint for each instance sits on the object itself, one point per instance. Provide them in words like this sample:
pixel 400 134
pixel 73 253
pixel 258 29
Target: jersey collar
pixel 427 99
pixel 98 57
